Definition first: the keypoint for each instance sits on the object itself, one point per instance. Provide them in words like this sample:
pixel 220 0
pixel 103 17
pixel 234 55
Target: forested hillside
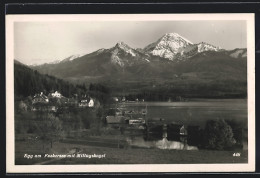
pixel 29 82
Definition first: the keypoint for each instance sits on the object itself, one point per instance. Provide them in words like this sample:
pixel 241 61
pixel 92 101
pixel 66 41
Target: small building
pixel 83 103
pixel 40 98
pixel 52 108
pixel 136 121
pixel 115 99
pixel 115 119
pixel 86 102
pixel 56 94
pixel 91 103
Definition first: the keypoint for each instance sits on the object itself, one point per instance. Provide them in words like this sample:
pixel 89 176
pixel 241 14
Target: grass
pixel 128 155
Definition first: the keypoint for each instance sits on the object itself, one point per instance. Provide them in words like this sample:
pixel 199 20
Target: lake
pixel 195 111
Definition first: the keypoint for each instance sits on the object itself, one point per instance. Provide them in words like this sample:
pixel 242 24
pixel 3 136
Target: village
pixel 54 100
pixel 130 124
pixel 44 122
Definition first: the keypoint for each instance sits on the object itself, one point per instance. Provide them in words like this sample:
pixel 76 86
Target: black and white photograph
pixel 130 93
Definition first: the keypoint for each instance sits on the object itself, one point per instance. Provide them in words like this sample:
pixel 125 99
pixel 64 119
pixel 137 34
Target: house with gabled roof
pixel 55 94
pixel 40 98
pixel 86 102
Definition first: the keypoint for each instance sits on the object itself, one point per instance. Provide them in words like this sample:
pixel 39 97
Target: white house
pixel 86 103
pixel 91 103
pixel 56 94
pixel 115 99
pixel 83 103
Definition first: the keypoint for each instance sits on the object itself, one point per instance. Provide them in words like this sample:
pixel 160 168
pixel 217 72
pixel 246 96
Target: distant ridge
pixel 172 62
pixel 171 46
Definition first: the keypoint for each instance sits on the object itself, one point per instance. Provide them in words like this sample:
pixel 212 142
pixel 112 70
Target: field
pixel 123 155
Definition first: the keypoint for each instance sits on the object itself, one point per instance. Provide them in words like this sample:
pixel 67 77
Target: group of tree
pixel 50 127
pixel 190 89
pixel 218 134
pixel 101 92
pixel 29 82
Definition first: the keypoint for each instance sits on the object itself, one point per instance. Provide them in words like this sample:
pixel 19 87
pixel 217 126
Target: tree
pixel 87 117
pixel 29 82
pixel 218 135
pixel 237 127
pixel 49 128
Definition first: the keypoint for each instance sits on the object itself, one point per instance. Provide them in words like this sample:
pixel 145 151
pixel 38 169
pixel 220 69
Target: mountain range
pixel 170 60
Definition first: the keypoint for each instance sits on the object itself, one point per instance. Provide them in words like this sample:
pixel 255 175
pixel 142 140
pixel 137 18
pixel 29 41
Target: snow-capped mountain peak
pixel 123 46
pixel 124 55
pixel 101 50
pixel 72 57
pixel 173 46
pixel 168 46
pixel 75 56
pixel 207 47
pixel 170 36
pixel 55 62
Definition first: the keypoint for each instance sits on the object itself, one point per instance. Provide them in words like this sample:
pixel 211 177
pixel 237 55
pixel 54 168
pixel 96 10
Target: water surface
pixel 194 112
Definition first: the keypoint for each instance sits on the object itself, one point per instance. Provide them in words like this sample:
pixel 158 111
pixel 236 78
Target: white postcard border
pixel 12 168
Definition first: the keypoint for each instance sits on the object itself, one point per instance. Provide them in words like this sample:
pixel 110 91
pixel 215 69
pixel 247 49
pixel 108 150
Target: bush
pixel 50 129
pixel 218 135
pixel 237 128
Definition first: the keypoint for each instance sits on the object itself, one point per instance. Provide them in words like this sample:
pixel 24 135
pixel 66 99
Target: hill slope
pixel 29 82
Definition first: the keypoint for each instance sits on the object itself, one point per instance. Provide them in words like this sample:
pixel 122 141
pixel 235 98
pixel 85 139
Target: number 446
pixel 236 154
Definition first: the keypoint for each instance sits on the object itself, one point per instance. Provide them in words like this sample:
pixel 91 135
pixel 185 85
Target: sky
pixel 44 42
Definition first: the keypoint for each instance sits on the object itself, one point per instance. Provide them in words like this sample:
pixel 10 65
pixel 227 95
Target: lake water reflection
pixel 194 112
